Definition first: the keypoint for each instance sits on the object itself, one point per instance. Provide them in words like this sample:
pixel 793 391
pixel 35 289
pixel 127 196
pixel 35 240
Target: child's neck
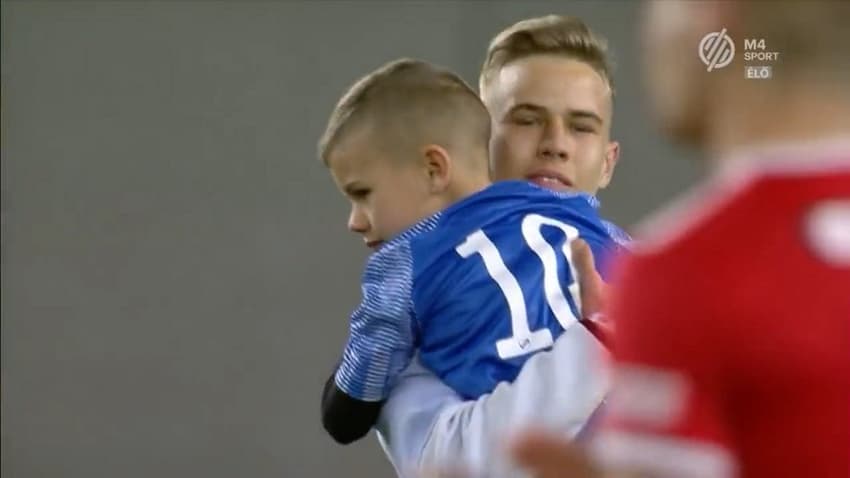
pixel 457 191
pixel 467 186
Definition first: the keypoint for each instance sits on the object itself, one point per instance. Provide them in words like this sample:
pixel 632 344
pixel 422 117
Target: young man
pixel 549 89
pixel 470 275
pixel 733 318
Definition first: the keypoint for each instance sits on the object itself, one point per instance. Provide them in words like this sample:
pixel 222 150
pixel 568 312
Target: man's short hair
pixel 411 102
pixel 549 35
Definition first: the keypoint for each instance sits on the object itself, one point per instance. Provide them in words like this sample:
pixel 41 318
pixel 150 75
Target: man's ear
pixel 438 167
pixel 612 155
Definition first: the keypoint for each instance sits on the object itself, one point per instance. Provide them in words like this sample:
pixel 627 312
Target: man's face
pixel 387 195
pixel 551 124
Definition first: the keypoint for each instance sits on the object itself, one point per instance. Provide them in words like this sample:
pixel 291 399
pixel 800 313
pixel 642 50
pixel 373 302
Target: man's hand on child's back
pixel 592 291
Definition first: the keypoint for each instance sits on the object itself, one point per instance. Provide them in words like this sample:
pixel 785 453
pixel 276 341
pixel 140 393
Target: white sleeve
pixel 408 415
pixel 422 426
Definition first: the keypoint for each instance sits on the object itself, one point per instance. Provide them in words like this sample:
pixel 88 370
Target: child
pixel 471 275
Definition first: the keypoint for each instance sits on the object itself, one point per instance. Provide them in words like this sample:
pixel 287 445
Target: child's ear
pixel 437 166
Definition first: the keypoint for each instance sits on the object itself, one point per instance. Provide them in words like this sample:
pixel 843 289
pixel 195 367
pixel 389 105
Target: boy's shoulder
pixel 498 205
pixel 506 198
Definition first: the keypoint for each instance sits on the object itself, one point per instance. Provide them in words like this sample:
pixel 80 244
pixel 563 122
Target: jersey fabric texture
pixel 475 288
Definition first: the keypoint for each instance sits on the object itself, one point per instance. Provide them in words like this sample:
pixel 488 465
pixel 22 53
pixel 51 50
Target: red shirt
pixel 733 329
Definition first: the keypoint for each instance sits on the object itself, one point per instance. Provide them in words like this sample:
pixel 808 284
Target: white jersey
pixel 425 425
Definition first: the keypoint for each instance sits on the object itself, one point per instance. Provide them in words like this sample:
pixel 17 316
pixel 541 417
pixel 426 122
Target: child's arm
pixel 380 345
pixel 345 418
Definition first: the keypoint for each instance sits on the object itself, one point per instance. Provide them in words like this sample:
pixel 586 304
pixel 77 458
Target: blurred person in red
pixel 732 339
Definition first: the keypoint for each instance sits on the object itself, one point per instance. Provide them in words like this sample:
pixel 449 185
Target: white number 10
pixel 523 340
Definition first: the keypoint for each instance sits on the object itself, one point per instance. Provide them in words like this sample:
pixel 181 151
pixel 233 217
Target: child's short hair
pixel 411 100
pixel 549 35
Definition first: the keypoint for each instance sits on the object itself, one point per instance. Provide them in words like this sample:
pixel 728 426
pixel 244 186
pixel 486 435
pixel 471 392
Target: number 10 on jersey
pixel 523 340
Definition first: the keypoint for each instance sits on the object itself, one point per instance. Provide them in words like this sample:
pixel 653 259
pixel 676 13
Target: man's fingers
pixel 551 456
pixel 444 473
pixel 591 285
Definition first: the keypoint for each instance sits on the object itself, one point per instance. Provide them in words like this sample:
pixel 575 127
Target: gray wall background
pixel 176 271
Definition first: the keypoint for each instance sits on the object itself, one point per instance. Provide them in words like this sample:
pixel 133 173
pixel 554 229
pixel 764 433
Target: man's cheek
pixel 508 158
pixel 523 147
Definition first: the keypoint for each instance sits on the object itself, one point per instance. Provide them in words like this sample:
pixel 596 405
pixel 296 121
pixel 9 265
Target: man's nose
pixel 555 143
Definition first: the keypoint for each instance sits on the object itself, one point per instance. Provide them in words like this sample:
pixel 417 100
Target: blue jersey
pixel 475 288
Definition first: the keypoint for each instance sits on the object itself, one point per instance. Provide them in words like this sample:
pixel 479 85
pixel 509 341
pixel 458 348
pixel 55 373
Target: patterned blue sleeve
pixel 380 342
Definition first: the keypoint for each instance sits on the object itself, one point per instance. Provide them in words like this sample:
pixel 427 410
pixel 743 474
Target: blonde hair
pixel 411 100
pixel 549 35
